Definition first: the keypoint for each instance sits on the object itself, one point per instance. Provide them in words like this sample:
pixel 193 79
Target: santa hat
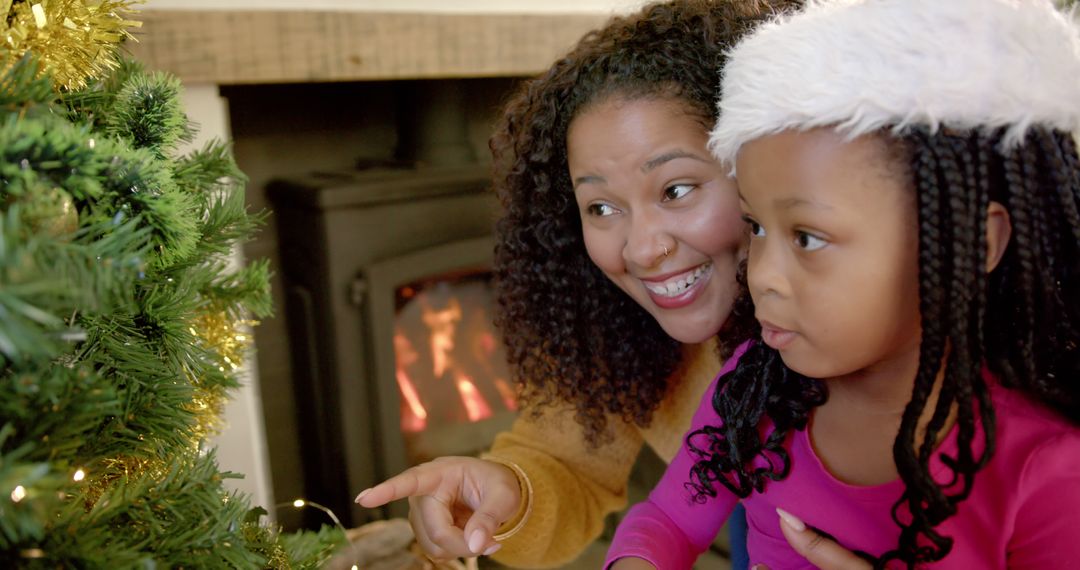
pixel 860 65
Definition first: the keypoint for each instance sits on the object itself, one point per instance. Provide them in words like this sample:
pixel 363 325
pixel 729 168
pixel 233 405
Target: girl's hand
pixel 818 550
pixel 455 503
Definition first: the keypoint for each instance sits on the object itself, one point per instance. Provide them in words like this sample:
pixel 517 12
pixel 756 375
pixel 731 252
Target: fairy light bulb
pixel 79 475
pixel 18 494
pixel 302 503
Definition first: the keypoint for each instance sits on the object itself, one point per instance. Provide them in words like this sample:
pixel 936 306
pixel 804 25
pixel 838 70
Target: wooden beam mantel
pixel 268 46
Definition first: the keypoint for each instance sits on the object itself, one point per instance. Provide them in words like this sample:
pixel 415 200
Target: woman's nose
pixel 648 242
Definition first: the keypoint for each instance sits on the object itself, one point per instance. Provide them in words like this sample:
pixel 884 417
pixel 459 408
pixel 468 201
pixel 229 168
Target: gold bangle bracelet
pixel 526 491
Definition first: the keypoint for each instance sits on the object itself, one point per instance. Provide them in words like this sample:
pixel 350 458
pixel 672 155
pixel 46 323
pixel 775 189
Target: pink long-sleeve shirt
pixel 1023 511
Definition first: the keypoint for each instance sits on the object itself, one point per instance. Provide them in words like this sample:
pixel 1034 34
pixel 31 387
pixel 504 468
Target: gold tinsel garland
pixel 113 469
pixel 75 40
pixel 228 339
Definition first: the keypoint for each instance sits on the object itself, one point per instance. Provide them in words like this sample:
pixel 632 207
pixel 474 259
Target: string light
pixel 301 503
pixel 470 563
pixel 18 494
pixel 79 475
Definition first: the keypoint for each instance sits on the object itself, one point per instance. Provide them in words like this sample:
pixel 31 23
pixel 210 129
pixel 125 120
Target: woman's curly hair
pixel 1022 321
pixel 572 335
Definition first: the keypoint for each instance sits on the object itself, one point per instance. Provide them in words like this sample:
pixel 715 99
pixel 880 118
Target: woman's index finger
pixel 415 481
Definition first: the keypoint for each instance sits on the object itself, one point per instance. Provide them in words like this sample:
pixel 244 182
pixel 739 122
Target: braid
pixel 1023 275
pixel 985 193
pixel 1061 164
pixel 932 293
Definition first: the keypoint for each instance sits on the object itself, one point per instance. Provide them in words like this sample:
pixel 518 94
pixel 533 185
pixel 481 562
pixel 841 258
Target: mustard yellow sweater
pixel 575 487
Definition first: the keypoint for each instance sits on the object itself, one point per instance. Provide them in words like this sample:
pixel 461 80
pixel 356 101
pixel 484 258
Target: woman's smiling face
pixel 660 216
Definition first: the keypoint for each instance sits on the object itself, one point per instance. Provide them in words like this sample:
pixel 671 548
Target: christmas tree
pixel 123 318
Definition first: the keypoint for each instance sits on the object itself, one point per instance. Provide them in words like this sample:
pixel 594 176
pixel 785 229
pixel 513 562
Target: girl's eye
pixel 600 209
pixel 676 191
pixel 755 228
pixel 809 242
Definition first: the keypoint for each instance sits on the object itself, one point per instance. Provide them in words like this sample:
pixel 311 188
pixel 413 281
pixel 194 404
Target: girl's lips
pixel 776 337
pixel 684 298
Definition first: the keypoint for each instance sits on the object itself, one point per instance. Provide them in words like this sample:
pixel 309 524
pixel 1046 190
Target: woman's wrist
pixel 515 524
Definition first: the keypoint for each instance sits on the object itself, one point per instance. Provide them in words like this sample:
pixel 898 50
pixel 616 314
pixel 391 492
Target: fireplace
pixel 389 311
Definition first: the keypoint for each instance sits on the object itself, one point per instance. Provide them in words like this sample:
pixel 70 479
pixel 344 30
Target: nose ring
pixel 665 251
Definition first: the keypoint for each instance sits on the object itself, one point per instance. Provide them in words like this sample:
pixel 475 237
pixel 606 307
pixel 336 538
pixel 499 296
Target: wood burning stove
pixel 388 304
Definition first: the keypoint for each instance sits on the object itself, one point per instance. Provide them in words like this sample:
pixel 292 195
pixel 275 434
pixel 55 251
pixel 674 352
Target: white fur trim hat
pixel 861 65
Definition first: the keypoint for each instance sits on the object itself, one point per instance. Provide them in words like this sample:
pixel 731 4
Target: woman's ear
pixel 998 232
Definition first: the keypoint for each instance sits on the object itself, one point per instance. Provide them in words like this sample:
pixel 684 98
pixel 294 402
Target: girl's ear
pixel 998 232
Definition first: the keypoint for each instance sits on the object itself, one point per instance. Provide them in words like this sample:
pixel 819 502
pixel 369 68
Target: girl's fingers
pixel 818 550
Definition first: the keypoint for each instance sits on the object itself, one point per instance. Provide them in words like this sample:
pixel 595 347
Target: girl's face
pixel 660 216
pixel 833 265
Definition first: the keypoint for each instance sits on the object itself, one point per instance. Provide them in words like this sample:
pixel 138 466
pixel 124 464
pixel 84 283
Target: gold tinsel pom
pixel 75 40
pixel 115 468
pixel 228 339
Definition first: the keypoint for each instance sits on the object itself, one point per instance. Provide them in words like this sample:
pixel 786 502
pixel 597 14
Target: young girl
pixel 912 187
pixel 616 260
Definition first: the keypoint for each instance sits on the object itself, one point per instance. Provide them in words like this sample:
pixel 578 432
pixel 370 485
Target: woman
pixel 616 269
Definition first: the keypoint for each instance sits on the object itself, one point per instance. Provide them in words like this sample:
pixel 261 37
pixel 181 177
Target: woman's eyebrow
pixel 669 156
pixel 588 179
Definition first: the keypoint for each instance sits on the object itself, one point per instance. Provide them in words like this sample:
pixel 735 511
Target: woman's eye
pixel 755 228
pixel 600 209
pixel 809 242
pixel 676 191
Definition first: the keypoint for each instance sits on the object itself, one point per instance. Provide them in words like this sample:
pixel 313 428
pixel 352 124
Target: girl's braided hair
pixel 572 335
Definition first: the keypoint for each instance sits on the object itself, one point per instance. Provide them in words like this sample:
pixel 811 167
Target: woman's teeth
pixel 678 285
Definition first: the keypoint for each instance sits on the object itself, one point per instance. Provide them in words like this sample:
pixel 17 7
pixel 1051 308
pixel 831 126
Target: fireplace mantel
pixel 244 46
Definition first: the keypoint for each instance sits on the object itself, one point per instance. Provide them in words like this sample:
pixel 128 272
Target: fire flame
pixel 468 366
pixel 443 324
pixel 416 419
pixel 506 393
pixel 414 416
pixel 475 405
